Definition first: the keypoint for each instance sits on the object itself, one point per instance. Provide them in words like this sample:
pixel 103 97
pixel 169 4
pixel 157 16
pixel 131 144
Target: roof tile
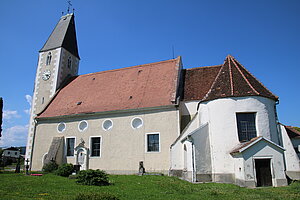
pixel 142 86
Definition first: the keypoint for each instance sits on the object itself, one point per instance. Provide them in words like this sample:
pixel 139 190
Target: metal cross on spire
pixel 69 5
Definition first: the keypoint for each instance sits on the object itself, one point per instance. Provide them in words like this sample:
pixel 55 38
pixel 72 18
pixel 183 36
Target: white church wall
pixel 177 148
pixel 223 127
pixel 122 146
pixel 239 170
pixel 291 158
pixel 203 168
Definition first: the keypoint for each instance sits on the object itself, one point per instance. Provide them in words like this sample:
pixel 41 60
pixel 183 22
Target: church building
pixel 204 124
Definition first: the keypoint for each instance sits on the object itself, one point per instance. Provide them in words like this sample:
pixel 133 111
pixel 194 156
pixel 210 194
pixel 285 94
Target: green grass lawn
pixel 49 186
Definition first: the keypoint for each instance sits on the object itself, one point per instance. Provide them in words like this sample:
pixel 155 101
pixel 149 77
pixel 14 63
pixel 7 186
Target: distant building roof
pixel 228 80
pixel 12 149
pixel 63 35
pixel 292 132
pixel 142 86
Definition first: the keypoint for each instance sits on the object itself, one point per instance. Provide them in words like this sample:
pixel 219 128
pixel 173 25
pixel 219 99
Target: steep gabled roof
pixel 63 35
pixel 198 81
pixel 228 80
pixel 142 86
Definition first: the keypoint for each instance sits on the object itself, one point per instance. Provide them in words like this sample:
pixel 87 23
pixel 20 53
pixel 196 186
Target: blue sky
pixel 263 35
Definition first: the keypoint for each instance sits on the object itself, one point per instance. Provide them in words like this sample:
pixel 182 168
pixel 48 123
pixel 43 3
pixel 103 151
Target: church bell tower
pixel 58 61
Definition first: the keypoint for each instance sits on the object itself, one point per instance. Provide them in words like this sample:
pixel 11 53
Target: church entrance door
pixel 263 172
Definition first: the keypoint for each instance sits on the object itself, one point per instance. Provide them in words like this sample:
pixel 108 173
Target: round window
pixel 83 125
pixel 61 127
pixel 107 125
pixel 137 123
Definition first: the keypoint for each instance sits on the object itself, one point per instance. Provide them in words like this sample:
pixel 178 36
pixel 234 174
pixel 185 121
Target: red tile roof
pixel 243 146
pixel 228 80
pixel 149 85
pixel 292 132
pixel 198 81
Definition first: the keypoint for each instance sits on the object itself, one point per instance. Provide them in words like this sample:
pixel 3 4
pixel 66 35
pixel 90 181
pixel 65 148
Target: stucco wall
pixel 122 147
pixel 221 116
pixel 291 157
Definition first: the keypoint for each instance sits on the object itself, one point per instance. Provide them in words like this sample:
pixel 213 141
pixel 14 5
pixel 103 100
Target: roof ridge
pixel 213 84
pixel 131 67
pixel 247 81
pixel 204 67
pixel 230 75
pixel 255 78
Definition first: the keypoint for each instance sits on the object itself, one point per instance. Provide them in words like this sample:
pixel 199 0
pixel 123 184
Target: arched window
pixel 69 63
pixel 49 56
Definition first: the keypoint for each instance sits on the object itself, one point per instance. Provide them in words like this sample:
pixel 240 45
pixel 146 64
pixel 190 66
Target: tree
pixel 1 113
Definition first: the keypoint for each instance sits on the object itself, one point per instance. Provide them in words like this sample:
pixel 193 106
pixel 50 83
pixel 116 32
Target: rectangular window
pixel 246 126
pixel 95 146
pixel 153 142
pixel 70 146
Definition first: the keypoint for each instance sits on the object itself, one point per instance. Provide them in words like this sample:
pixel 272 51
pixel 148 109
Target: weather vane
pixel 69 6
pixel 69 2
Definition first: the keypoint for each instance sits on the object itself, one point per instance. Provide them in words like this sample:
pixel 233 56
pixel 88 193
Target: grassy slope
pixel 16 186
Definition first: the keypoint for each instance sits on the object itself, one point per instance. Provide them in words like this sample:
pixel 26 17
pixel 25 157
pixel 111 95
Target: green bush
pixel 96 196
pixel 65 170
pixel 50 167
pixel 93 177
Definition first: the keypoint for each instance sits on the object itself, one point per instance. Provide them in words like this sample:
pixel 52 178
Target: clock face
pixel 46 75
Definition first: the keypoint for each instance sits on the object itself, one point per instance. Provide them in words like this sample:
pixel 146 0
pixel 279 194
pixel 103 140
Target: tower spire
pixel 63 35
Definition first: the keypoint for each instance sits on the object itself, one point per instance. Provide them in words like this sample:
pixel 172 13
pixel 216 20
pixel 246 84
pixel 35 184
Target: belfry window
pixel 70 63
pixel 246 126
pixel 49 57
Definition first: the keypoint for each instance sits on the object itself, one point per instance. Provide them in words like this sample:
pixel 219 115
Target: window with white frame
pixel 246 126
pixel 95 146
pixel 136 123
pixel 70 145
pixel 61 127
pixel 107 125
pixel 49 57
pixel 82 126
pixel 153 142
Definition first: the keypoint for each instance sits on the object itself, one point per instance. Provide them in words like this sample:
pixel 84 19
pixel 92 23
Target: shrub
pixel 96 196
pixel 50 167
pixel 93 177
pixel 65 170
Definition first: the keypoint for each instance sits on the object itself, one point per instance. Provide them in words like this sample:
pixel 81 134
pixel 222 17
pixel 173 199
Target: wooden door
pixel 263 172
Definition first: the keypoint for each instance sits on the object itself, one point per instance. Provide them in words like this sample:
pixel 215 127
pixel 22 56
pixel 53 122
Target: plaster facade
pixel 212 134
pixel 291 157
pixel 122 147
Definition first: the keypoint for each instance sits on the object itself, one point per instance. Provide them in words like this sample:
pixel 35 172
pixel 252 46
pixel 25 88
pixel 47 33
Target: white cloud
pixel 9 114
pixel 14 136
pixel 28 99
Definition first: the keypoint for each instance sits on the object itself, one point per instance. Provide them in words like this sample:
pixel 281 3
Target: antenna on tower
pixel 173 51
